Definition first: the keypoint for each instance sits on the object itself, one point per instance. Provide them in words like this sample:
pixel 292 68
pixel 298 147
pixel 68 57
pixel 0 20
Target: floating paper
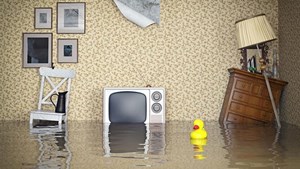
pixel 140 12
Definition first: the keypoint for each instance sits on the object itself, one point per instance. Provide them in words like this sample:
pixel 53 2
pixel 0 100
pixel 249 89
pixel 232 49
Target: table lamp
pixel 254 31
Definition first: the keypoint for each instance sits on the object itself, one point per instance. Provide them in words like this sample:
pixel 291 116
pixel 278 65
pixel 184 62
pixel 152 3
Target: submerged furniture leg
pixel 272 100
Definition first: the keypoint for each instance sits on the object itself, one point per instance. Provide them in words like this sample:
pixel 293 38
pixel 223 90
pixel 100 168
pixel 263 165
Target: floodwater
pixel 93 145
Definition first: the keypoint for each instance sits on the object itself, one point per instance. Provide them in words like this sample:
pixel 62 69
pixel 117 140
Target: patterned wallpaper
pixel 188 54
pixel 289 58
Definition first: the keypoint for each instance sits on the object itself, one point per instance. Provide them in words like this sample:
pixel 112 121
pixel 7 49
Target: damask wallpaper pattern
pixel 188 54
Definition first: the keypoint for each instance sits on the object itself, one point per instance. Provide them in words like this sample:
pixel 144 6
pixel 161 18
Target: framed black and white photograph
pixel 70 17
pixel 43 18
pixel 37 49
pixel 67 50
pixel 253 57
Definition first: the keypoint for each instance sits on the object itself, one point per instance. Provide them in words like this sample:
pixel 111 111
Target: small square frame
pixel 43 18
pixel 70 17
pixel 67 50
pixel 37 49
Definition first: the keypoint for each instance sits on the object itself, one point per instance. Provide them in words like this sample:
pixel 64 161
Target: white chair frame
pixel 48 73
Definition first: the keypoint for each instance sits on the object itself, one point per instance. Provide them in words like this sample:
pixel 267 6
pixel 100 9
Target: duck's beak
pixel 196 127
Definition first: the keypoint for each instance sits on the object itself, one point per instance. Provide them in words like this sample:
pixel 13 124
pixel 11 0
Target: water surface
pixel 91 145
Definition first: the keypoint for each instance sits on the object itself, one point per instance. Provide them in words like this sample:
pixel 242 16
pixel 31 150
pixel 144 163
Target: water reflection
pixel 252 146
pixel 158 147
pixel 125 139
pixel 199 148
pixel 54 150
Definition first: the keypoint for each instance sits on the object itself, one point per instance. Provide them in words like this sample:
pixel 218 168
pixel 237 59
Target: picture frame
pixel 67 50
pixel 71 17
pixel 250 57
pixel 37 50
pixel 253 58
pixel 43 18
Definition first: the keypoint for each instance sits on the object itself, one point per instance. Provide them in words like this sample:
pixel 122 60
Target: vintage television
pixel 134 105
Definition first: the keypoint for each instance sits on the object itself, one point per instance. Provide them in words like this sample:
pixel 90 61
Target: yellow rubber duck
pixel 199 131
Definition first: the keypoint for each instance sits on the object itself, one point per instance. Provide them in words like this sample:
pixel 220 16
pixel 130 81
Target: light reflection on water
pixel 54 150
pixel 252 146
pixel 198 147
pixel 90 144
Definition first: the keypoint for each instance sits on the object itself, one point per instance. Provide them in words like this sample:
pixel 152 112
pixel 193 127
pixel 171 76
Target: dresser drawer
pixel 256 89
pixel 276 93
pixel 243 85
pixel 267 105
pixel 250 112
pixel 233 118
pixel 252 100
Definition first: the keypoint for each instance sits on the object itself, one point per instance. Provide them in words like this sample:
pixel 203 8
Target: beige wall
pixel 188 54
pixel 289 35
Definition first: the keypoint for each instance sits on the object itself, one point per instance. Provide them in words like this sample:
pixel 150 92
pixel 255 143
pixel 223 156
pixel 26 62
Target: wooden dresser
pixel 247 99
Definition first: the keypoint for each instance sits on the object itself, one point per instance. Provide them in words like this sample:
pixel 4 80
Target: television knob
pixel 156 96
pixel 156 107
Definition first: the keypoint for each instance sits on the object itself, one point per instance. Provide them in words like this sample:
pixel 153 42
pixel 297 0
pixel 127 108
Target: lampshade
pixel 253 31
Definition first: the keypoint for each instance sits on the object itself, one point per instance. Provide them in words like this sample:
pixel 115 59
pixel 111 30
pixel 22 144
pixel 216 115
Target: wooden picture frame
pixel 67 50
pixel 43 18
pixel 70 17
pixel 248 53
pixel 37 49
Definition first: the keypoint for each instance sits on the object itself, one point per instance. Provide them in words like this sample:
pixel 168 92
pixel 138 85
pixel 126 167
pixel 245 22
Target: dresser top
pixel 234 71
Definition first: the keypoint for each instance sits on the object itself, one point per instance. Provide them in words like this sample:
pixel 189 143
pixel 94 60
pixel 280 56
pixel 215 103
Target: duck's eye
pixel 196 127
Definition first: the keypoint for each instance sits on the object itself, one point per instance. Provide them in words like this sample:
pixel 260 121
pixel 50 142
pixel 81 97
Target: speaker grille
pixel 156 107
pixel 156 96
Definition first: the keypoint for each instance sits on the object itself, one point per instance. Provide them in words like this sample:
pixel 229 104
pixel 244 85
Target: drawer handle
pixel 240 96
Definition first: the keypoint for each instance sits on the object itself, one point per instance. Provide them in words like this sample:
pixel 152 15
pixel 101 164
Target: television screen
pixel 127 107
